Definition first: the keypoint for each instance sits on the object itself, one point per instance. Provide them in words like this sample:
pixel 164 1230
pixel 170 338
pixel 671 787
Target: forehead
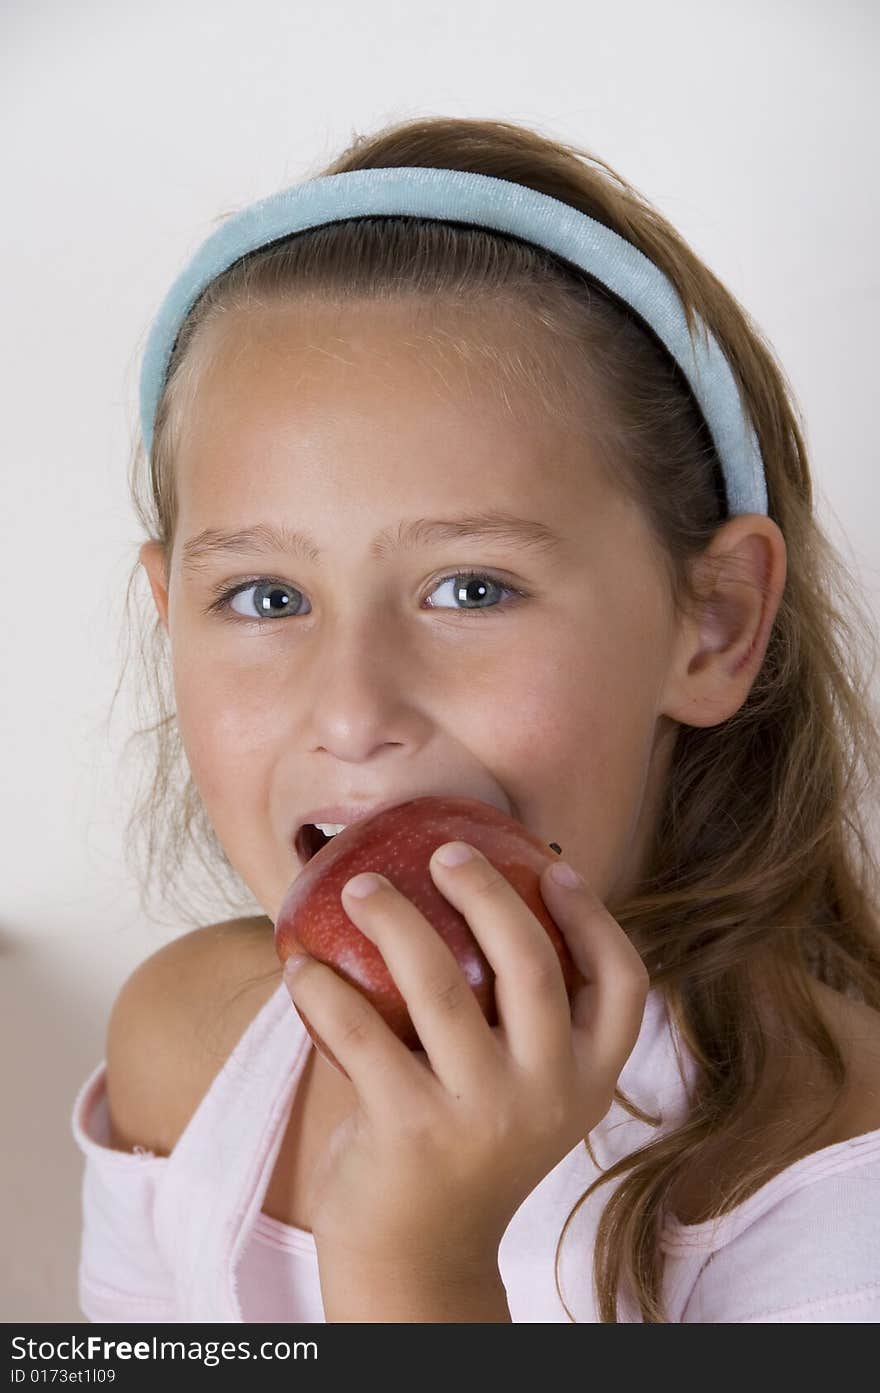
pixel 403 397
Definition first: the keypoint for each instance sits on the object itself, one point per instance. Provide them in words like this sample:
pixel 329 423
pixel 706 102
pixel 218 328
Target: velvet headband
pixel 452 196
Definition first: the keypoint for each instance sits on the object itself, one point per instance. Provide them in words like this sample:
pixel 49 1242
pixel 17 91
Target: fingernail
pixel 293 962
pixel 360 886
pixel 566 875
pixel 453 853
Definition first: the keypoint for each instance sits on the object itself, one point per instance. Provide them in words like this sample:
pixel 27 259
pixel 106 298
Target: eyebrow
pixel 263 538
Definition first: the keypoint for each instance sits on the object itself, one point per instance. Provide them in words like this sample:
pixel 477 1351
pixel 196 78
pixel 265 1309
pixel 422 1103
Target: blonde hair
pixel 761 857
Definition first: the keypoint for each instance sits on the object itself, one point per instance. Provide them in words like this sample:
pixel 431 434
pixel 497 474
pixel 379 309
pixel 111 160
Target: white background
pixel 127 130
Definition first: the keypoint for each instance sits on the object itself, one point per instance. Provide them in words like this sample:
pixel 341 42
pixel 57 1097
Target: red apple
pixel 398 842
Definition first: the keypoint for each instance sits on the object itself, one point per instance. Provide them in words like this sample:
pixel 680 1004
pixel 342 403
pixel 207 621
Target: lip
pixel 347 813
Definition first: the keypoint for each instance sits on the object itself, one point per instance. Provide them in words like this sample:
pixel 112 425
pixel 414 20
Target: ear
pixel 152 558
pixel 719 651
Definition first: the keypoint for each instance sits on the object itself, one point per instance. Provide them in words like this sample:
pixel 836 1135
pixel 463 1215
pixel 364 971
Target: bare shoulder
pixel 174 1023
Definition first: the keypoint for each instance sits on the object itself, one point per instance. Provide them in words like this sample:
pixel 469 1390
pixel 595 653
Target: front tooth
pixel 331 828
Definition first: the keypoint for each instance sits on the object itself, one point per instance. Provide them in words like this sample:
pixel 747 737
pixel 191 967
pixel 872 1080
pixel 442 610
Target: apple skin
pixel 398 842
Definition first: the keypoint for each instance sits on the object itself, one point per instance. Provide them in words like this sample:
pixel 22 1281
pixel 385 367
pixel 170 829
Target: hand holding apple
pixel 398 843
pixel 443 1144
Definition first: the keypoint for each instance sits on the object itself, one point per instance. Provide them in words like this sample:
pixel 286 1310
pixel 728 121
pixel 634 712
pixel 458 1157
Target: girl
pixel 487 486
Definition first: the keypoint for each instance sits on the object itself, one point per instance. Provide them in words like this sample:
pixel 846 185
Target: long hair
pixel 761 858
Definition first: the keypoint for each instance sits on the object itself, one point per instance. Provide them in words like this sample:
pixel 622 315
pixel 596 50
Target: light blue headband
pixel 449 195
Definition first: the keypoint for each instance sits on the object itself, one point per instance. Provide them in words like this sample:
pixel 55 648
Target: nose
pixel 365 694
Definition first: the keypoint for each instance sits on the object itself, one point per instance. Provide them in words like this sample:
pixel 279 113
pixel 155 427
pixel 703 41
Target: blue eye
pixel 471 589
pixel 271 599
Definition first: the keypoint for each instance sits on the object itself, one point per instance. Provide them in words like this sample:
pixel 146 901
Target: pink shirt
pixel 182 1238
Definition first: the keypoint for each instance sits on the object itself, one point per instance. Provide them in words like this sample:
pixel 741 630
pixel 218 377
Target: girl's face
pixel 382 672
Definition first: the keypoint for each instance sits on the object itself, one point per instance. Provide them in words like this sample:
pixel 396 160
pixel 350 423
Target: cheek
pixel 577 733
pixel 225 730
pixel 572 701
pixel 540 713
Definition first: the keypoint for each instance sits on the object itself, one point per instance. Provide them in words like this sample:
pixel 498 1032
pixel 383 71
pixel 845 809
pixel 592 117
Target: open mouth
pixel 309 840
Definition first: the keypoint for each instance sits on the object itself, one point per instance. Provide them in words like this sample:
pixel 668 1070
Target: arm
pixel 409 1294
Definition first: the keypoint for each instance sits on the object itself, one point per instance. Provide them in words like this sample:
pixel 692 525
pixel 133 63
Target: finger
pixel 607 1010
pixel 449 1022
pixel 533 1004
pixel 387 1076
